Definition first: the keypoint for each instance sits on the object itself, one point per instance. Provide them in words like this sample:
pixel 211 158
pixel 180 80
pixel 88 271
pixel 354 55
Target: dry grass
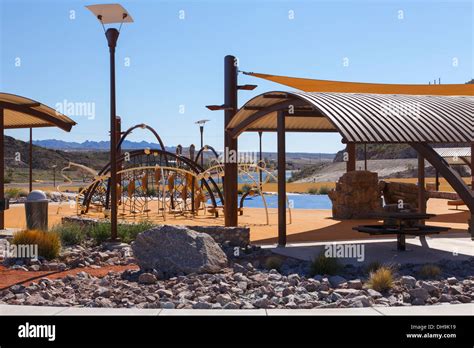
pixel 273 262
pixel 49 243
pixel 429 272
pixel 381 280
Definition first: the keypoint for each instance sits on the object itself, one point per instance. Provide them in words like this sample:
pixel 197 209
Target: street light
pixel 112 14
pixel 201 124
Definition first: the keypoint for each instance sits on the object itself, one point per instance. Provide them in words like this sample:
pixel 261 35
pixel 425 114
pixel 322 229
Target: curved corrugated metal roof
pixel 364 118
pixel 21 112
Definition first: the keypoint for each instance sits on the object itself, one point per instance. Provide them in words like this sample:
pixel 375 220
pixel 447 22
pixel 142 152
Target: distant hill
pixel 17 154
pixel 95 145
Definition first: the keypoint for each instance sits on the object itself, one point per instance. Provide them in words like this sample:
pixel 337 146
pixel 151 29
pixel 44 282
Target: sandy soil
pixel 306 225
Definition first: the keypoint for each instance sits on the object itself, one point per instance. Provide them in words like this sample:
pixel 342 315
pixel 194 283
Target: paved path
pixel 444 310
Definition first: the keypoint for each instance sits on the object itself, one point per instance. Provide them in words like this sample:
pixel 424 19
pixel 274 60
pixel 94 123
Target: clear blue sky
pixel 177 61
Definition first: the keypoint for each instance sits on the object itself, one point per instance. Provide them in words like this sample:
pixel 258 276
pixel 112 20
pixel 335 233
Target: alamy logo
pixel 232 156
pixel 23 251
pixel 37 331
pixel 350 251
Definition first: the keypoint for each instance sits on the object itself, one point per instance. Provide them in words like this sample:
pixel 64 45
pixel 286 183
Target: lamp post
pixel 201 124
pixel 54 174
pixel 110 14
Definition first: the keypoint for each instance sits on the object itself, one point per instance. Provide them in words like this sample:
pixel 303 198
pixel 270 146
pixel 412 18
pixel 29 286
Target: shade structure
pixel 111 13
pixel 362 117
pixel 21 112
pixel 455 155
pixel 312 85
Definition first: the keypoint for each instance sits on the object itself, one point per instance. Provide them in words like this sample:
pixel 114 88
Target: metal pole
pixel 437 181
pixel 260 157
pixel 201 129
pixel 54 176
pixel 230 144
pixel 30 160
pixel 281 179
pixel 112 35
pixel 365 157
pixel 2 168
pixel 351 159
pixel 421 184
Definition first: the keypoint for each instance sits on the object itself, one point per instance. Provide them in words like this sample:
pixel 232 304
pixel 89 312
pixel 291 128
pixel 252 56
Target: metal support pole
pixel 30 161
pixel 421 184
pixel 365 157
pixel 201 129
pixel 351 157
pixel 112 35
pixel 260 178
pixel 281 179
pixel 2 168
pixel 230 144
pixel 437 181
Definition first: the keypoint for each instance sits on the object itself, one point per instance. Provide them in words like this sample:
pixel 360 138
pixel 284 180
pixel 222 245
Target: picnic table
pixel 402 224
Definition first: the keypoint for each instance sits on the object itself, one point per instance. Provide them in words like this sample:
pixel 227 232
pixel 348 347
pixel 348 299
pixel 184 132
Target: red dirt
pixel 9 277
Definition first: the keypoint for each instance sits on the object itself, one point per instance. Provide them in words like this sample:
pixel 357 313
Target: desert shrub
pixel 324 265
pixel 324 190
pixel 373 266
pixel 313 190
pixel 99 232
pixel 70 234
pixel 129 232
pixel 429 271
pixel 381 280
pixel 15 192
pixel 273 262
pixel 246 188
pixel 49 243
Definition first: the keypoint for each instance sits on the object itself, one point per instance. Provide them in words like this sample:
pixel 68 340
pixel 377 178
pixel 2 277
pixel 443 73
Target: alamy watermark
pixel 347 251
pixel 23 251
pixel 69 108
pixel 243 157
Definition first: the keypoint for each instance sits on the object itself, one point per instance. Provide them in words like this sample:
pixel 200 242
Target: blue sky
pixel 178 62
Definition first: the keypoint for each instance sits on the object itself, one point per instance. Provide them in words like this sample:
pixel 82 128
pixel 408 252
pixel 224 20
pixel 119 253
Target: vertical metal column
pixel 281 179
pixel 30 161
pixel 2 168
pixel 351 160
pixel 230 144
pixel 260 157
pixel 421 184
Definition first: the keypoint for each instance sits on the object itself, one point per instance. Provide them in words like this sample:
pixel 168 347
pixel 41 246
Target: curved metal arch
pixel 192 165
pixel 201 152
pixel 142 126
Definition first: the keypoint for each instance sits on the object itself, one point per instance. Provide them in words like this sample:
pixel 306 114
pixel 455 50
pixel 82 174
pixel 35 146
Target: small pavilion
pixel 363 113
pixel 19 112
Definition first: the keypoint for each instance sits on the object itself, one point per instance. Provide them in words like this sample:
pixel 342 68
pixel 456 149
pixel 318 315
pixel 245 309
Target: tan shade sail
pixel 21 112
pixel 310 85
pixel 111 13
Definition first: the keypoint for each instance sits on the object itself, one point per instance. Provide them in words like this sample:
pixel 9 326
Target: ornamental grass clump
pixel 325 265
pixel 429 272
pixel 381 280
pixel 49 243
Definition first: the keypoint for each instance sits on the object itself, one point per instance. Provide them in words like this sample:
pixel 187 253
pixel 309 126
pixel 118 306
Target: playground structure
pixel 157 184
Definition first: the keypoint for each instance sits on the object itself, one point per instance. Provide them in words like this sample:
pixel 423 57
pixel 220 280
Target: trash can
pixel 36 208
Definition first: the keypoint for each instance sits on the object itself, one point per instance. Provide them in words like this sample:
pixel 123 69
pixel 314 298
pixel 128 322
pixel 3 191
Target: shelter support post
pixel 421 184
pixel 437 181
pixel 30 161
pixel 2 168
pixel 260 177
pixel 281 180
pixel 230 143
pixel 351 157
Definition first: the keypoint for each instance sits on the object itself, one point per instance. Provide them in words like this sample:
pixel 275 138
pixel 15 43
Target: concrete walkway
pixel 456 247
pixel 443 310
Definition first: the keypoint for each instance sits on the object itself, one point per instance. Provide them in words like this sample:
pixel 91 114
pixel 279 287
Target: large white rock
pixel 176 250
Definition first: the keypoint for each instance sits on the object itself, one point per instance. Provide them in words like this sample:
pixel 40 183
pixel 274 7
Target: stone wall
pixel 356 195
pixel 395 191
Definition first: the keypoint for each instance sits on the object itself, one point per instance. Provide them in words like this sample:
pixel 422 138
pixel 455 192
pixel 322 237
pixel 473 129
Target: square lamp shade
pixel 111 13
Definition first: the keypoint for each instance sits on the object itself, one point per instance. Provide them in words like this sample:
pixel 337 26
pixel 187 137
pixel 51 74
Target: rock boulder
pixel 175 250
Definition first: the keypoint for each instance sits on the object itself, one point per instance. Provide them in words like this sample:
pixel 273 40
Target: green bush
pixel 273 262
pixel 246 188
pixel 49 244
pixel 15 192
pixel 313 191
pixel 325 265
pixel 100 232
pixel 324 190
pixel 429 272
pixel 70 234
pixel 129 232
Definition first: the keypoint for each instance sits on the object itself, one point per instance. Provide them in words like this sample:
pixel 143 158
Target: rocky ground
pixel 245 284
